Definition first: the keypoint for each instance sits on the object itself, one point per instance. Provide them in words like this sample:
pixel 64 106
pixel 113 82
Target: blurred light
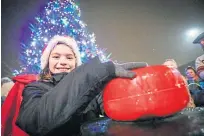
pixel 82 54
pixel 193 32
pixel 45 39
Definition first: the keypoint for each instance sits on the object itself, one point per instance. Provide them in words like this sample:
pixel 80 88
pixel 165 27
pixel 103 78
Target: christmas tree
pixel 57 18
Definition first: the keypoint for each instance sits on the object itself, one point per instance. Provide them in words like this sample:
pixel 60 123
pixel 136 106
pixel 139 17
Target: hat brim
pixel 198 39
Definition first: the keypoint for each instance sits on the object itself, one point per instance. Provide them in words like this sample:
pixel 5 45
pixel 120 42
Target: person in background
pixel 192 77
pixel 171 63
pixel 195 86
pixel 6 85
pixel 199 63
pixel 199 66
pixel 68 92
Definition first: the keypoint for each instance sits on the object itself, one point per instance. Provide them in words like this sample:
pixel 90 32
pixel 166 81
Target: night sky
pixel 132 30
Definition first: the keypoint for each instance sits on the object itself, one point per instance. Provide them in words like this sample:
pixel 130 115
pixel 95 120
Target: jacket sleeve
pixel 41 111
pixel 95 106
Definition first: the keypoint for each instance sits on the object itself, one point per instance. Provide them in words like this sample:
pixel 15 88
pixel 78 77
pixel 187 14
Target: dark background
pixel 132 30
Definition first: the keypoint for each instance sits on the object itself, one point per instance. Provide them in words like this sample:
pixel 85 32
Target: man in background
pixel 199 63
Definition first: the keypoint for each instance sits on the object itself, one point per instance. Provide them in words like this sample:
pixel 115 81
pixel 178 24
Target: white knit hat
pixel 53 42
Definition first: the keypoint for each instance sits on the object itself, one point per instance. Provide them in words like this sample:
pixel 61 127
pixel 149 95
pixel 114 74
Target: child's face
pixel 190 73
pixel 202 43
pixel 170 64
pixel 62 59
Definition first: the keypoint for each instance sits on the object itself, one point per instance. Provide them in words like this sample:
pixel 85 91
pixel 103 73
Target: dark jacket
pixel 197 92
pixel 198 97
pixel 59 107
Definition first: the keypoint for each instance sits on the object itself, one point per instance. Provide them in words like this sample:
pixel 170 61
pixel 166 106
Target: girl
pixel 68 92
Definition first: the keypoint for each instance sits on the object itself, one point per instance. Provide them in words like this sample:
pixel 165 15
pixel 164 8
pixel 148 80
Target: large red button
pixel 156 91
